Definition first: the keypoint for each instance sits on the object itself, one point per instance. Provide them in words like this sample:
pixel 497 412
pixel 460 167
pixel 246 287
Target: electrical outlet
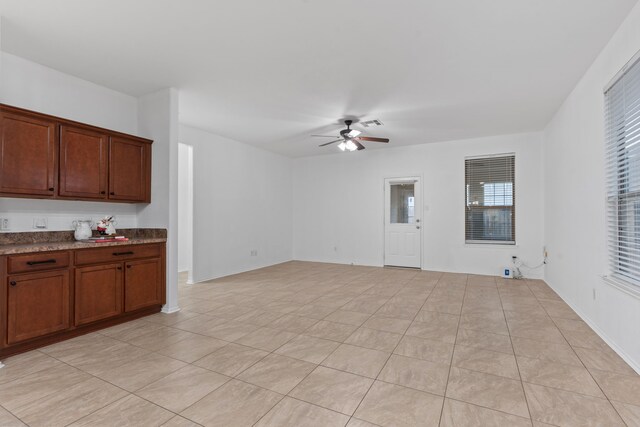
pixel 254 252
pixel 5 225
pixel 40 223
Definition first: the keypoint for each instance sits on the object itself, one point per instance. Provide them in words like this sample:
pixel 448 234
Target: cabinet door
pixel 27 155
pixel 38 304
pixel 83 163
pixel 142 283
pixel 98 293
pixel 129 170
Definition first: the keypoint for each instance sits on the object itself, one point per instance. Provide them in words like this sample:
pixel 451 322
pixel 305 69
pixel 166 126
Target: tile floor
pixel 309 344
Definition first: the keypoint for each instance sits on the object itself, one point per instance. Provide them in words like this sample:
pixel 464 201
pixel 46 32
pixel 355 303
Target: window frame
pixel 511 208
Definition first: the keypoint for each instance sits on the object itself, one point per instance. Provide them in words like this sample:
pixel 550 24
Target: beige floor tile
pixel 332 389
pixel 231 359
pixel 415 373
pixel 354 422
pixel 489 362
pixel 97 361
pixel 26 363
pixel 128 411
pixel 331 330
pixel 460 414
pixel 484 340
pixel 393 405
pixel 420 348
pixel 179 421
pixel 357 360
pixel 314 311
pixel 553 352
pixel 156 340
pixel 565 377
pixel 563 408
pixel 623 388
pixel 32 387
pixel 606 360
pixel 181 389
pixel 294 413
pixel 376 340
pixel 234 404
pixel 309 349
pixel 259 317
pixel 586 339
pixel 169 319
pixel 495 324
pixel 629 413
pixel 535 330
pixel 140 372
pixel 230 331
pixel 293 323
pixel 491 391
pixel 193 348
pixel 8 420
pixel 387 324
pixel 444 332
pixel 348 317
pixel 277 373
pixel 69 404
pixel 267 339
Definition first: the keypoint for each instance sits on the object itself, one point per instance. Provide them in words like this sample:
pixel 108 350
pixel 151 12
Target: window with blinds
pixel 490 207
pixel 622 114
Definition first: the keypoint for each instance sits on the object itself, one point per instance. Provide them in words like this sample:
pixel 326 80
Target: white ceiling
pixel 270 73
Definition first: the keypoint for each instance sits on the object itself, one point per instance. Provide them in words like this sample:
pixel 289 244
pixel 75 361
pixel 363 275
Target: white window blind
pixel 622 112
pixel 490 215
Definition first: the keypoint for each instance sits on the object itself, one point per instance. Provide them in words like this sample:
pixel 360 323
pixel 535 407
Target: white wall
pixel 242 202
pixel 158 120
pixel 29 85
pixel 575 213
pixel 184 209
pixel 338 204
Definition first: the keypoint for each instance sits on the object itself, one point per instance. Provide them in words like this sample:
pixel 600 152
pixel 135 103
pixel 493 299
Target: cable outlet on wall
pixel 5 225
pixel 254 252
pixel 40 223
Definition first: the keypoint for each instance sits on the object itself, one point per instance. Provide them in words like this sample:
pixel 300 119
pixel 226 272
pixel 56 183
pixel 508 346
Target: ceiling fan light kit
pixel 350 138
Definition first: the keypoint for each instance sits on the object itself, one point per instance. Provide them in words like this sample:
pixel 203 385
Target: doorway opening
pixel 185 214
pixel 402 222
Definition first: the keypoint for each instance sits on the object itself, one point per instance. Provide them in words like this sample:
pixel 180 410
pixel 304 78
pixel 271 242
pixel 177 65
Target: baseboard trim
pixel 169 310
pixel 611 343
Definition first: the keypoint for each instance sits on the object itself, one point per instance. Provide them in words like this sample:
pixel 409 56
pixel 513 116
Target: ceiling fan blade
pixel 372 139
pixel 360 146
pixel 327 136
pixel 331 142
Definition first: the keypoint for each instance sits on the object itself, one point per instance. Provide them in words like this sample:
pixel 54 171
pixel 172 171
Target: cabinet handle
pixel 123 253
pixel 47 261
pixel 128 266
pixel 112 193
pixel 103 192
pixel 12 283
pixel 51 188
pixel 119 268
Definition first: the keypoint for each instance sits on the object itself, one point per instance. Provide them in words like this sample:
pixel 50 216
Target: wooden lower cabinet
pixel 142 284
pixel 98 292
pixel 37 305
pixel 81 290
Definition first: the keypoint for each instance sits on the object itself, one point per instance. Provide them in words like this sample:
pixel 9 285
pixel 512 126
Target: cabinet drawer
pixel 116 253
pixel 37 262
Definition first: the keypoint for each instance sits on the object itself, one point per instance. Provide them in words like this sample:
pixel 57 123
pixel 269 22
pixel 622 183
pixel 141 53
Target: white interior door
pixel 402 222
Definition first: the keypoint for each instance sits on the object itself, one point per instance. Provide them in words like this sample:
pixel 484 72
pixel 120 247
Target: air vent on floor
pixel 370 123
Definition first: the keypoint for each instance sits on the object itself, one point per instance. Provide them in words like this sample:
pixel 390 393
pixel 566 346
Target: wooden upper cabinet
pixel 129 170
pixel 28 152
pixel 83 163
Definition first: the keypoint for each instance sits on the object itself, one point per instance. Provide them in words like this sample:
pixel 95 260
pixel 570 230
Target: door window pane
pixel 402 203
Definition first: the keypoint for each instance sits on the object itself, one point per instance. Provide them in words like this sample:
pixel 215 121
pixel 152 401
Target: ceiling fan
pixel 350 139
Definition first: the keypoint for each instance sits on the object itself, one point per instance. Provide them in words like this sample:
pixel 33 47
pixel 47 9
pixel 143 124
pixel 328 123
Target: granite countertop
pixel 21 243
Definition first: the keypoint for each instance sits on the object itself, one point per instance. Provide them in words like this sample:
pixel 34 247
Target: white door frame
pixel 401 177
